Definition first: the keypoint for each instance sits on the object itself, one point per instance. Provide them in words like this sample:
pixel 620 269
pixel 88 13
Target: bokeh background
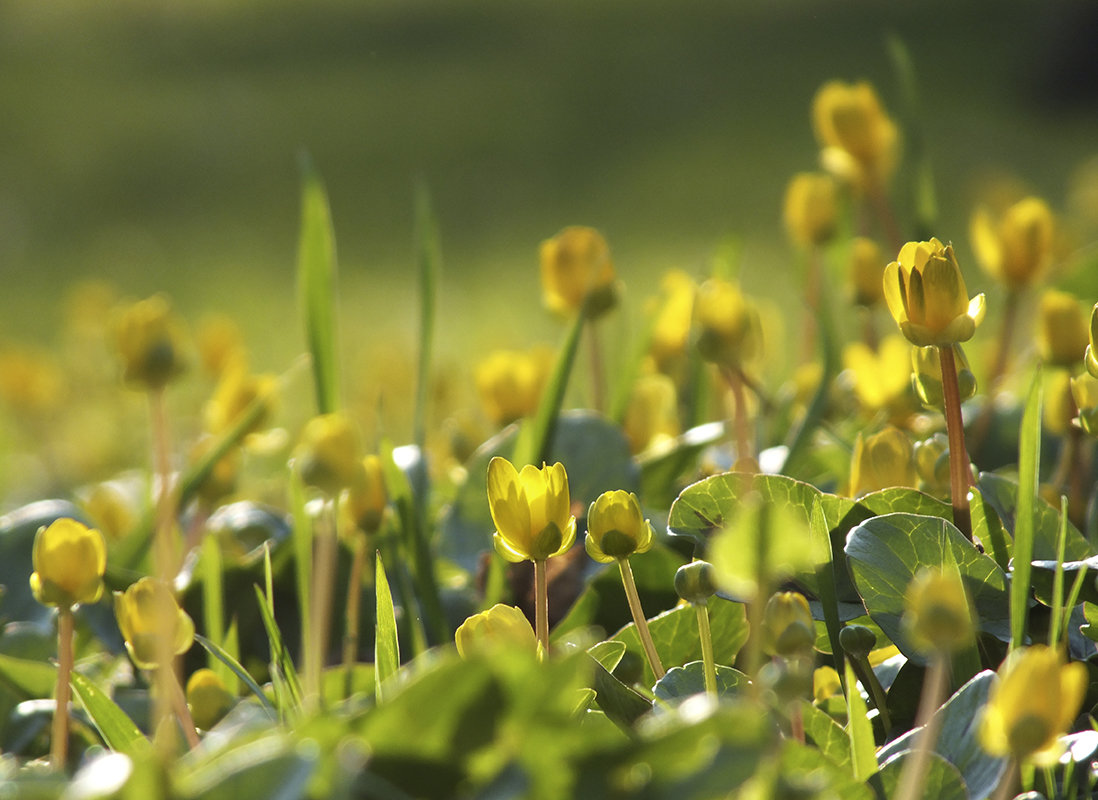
pixel 156 145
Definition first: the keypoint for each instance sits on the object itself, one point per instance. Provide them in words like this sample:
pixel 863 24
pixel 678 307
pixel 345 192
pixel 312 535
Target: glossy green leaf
pixel 607 653
pixel 688 680
pixel 621 704
pixel 117 729
pixel 859 730
pixel 942 780
pixel 826 734
pixel 662 469
pixel 825 578
pixel 386 645
pixel 675 634
pixel 1001 494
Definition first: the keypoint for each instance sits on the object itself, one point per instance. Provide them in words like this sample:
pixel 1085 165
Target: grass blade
pixel 825 577
pixel 429 257
pixel 213 605
pixel 236 668
pixel 386 643
pixel 114 725
pixel 283 673
pixel 316 278
pixel 1029 463
pixel 863 749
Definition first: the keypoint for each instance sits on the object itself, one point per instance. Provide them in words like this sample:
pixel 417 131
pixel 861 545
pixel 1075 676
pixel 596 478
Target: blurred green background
pixel 156 144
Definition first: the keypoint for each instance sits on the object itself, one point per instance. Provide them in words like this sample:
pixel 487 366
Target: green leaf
pixel 272 767
pixel 31 680
pixel 283 673
pixel 1001 494
pixel 827 734
pixel 884 553
pixel 815 774
pixel 661 469
pixel 316 279
pixel 386 645
pixel 825 577
pixel 621 704
pixel 860 730
pixel 1029 464
pixel 213 605
pixel 942 780
pixel 117 729
pixel 675 634
pixel 608 653
pixel 688 680
pixel 237 669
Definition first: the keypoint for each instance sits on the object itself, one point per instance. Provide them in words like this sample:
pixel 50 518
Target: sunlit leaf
pixel 117 729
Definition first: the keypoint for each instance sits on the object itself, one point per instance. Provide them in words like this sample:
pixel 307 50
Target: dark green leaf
pixel 682 682
pixel 942 780
pixel 621 704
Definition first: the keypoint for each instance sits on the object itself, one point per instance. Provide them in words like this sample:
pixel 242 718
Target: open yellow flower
pixel 926 295
pixel 674 317
pixel 531 510
pixel 1090 360
pixel 500 627
pixel 510 382
pixel 575 264
pixel 1032 705
pixel 616 528
pixel 146 613
pixel 69 560
pixel 881 378
pixel 1018 250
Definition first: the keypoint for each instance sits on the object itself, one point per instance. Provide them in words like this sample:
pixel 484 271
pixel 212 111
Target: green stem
pixel 935 684
pixel 59 737
pixel 868 678
pixel 324 575
pixel 639 619
pixel 745 458
pixel 541 607
pixel 706 636
pixel 179 703
pixel 960 472
pixel 354 601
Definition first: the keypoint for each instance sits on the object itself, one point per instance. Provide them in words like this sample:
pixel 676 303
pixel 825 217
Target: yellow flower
pixel 69 560
pixel 616 528
pixel 1020 249
pixel 1062 334
pixel 730 327
pixel 652 415
pixel 147 613
pixel 1036 699
pixel 671 330
pixel 927 297
pixel 31 380
pixel 531 510
pixel 500 627
pixel 1084 388
pixel 236 390
pixel 207 698
pixel 881 461
pixel 825 684
pixel 859 140
pixel 327 454
pixel 111 508
pixel 938 616
pixel 576 270
pixel 882 379
pixel 149 339
pixel 510 383
pixel 1090 360
pixel 220 343
pixel 811 209
pixel 926 376
pixel 867 272
pixel 788 629
pixel 367 498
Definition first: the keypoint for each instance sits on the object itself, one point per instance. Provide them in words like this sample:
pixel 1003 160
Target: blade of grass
pixel 1029 463
pixel 1056 618
pixel 213 605
pixel 429 258
pixel 287 685
pixel 236 668
pixel 316 278
pixel 114 725
pixel 825 578
pixel 386 643
pixel 863 749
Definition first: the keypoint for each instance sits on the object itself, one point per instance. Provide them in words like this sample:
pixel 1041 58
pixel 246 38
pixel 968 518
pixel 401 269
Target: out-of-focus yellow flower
pixel 882 379
pixel 220 343
pixel 1036 699
pixel 858 140
pixel 926 376
pixel 927 297
pixel 652 415
pixel 327 454
pixel 1019 250
pixel 881 461
pixel 825 684
pixel 150 340
pixel 1062 334
pixel 531 510
pixel 367 498
pixel 207 698
pixel 938 616
pixel 867 272
pixel 932 465
pixel 110 508
pixel 1058 408
pixel 499 628
pixel 236 390
pixel 1084 388
pixel 1090 360
pixel 730 330
pixel 811 209
pixel 510 382
pixel 671 330
pixel 31 381
pixel 616 528
pixel 576 270
pixel 69 560
pixel 788 629
pixel 147 613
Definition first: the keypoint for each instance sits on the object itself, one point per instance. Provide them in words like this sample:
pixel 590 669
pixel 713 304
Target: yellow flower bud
pixel 1019 250
pixel 616 528
pixel 499 628
pixel 367 498
pixel 694 582
pixel 671 330
pixel 1036 699
pixel 1062 334
pixel 327 454
pixel 932 465
pixel 926 365
pixel 1084 388
pixel 867 272
pixel 69 560
pixel 149 338
pixel 576 270
pixel 236 391
pixel 207 698
pixel 859 140
pixel 531 510
pixel 730 330
pixel 811 209
pixel 652 415
pixel 788 629
pixel 938 616
pixel 881 461
pixel 927 297
pixel 147 613
pixel 510 383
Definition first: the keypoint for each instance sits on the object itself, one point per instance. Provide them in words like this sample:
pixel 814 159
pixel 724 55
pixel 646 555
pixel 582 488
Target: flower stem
pixel 745 458
pixel 935 683
pixel 164 553
pixel 863 670
pixel 59 737
pixel 960 472
pixel 705 634
pixel 324 575
pixel 354 601
pixel 541 607
pixel 179 705
pixel 639 618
